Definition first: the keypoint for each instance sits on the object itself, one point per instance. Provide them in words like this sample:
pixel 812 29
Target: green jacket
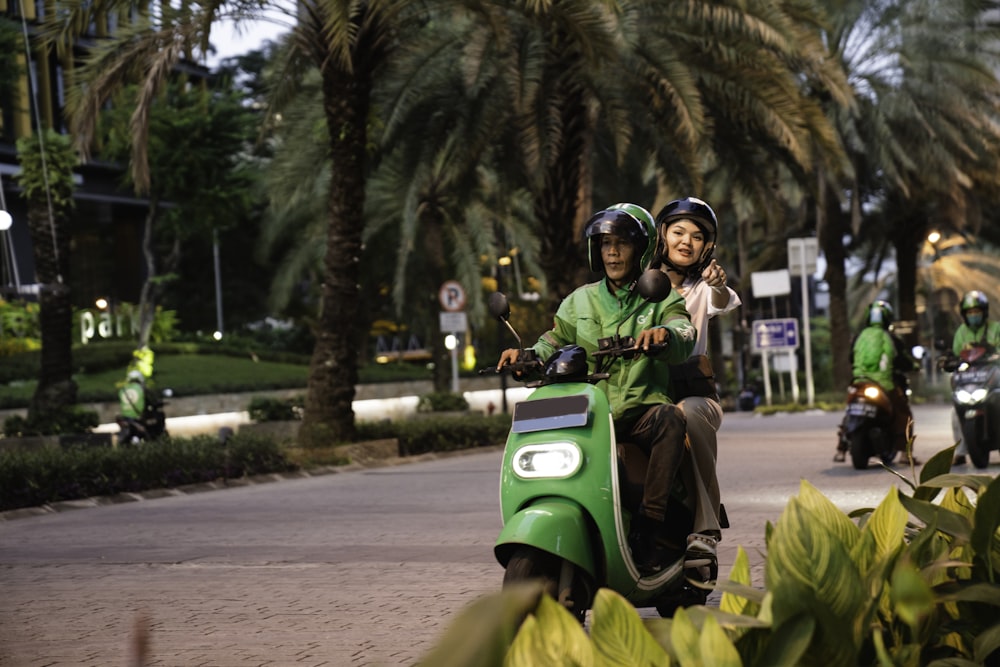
pixel 988 332
pixel 592 312
pixel 874 353
pixel 132 399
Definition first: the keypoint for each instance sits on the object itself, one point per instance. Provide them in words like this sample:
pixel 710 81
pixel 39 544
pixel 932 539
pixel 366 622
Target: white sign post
pixel 776 335
pixel 802 262
pixel 453 322
pixel 769 284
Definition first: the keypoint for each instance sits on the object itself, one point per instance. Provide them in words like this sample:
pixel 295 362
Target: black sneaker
pixel 648 551
pixel 840 456
pixel 959 460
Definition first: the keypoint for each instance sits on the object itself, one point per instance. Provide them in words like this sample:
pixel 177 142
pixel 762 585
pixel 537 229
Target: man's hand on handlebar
pixel 508 356
pixel 650 338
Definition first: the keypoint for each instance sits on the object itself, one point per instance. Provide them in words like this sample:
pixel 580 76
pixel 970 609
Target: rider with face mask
pixel 620 242
pixel 976 327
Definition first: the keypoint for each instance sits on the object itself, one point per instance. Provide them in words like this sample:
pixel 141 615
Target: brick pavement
pixel 375 614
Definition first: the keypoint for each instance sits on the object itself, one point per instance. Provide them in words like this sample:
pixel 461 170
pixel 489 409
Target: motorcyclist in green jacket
pixel 620 244
pixel 879 356
pixel 976 327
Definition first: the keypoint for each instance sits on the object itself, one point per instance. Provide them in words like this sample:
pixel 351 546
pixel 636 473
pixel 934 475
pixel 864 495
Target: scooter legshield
pixel 556 526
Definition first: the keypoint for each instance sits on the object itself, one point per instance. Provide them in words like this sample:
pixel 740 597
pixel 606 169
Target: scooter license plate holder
pixel 862 410
pixel 546 414
pixel 972 376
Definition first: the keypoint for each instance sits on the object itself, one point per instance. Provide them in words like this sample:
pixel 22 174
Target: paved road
pixel 363 567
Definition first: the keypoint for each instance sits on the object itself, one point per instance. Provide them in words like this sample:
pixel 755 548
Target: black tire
pixel 889 456
pixel 530 564
pixel 687 596
pixel 979 450
pixel 859 450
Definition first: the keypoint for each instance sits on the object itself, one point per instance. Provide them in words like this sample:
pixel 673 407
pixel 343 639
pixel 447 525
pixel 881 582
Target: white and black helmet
pixel 702 215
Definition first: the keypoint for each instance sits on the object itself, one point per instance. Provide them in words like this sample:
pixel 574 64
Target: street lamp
pixel 7 257
pixel 932 239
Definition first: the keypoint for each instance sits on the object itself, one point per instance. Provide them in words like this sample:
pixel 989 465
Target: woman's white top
pixel 698 298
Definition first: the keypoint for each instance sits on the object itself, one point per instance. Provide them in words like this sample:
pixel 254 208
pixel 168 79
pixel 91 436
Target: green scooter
pixel 568 489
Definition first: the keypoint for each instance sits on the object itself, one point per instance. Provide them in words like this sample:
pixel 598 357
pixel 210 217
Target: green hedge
pixel 44 475
pixel 37 476
pixel 439 434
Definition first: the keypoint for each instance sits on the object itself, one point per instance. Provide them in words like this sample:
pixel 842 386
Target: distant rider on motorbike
pixel 620 244
pixel 879 356
pixel 976 327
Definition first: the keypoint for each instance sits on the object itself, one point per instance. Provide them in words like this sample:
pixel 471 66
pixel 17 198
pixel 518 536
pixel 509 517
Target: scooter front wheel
pixel 978 448
pixel 859 451
pixel 562 580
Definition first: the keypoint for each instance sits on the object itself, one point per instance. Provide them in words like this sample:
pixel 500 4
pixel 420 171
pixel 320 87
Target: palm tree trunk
pixel 830 230
pixel 333 373
pixel 147 302
pixel 56 390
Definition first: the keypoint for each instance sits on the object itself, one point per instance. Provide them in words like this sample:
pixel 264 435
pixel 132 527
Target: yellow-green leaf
pixel 551 638
pixel 619 635
pixel 715 647
pixel 739 573
pixel 482 633
pixel 888 525
pixel 684 639
pixel 912 597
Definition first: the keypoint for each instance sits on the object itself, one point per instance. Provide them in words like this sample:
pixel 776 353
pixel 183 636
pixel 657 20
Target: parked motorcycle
pixel 150 426
pixel 975 391
pixel 569 490
pixel 866 430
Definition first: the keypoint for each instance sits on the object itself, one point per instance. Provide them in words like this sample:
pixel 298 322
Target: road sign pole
pixel 767 376
pixel 810 389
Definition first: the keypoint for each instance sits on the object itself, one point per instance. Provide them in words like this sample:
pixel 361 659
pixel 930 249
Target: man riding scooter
pixel 620 243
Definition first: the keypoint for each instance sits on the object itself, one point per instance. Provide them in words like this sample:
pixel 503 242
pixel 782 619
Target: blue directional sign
pixel 775 335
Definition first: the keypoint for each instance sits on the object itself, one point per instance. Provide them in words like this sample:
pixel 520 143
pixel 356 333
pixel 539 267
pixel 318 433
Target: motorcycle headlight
pixel 872 392
pixel 552 460
pixel 975 396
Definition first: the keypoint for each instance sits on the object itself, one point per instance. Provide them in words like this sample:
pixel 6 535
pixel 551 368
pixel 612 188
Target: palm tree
pixel 347 41
pixel 923 128
pixel 47 162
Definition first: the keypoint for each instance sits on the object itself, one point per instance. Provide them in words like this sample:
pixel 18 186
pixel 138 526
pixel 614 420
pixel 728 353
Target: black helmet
pixel 567 363
pixel 880 312
pixel 974 299
pixel 617 222
pixel 702 215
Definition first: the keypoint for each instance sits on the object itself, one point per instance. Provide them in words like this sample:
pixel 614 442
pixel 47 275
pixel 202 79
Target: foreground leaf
pixel 619 635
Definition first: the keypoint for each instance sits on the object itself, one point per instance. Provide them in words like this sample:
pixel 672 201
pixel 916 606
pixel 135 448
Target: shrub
pixel 913 581
pixel 442 401
pixel 67 421
pixel 44 475
pixel 265 409
pixel 439 434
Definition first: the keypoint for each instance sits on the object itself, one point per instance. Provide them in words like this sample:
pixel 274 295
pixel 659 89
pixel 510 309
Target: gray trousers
pixel 704 417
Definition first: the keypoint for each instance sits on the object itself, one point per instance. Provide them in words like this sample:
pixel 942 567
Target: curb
pixel 63 506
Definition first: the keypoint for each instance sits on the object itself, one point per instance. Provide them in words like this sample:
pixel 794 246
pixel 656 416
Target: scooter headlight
pixel 872 392
pixel 975 396
pixel 551 460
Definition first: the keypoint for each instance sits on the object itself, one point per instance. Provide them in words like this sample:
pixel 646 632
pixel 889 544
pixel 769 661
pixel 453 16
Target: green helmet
pixel 880 314
pixel 626 220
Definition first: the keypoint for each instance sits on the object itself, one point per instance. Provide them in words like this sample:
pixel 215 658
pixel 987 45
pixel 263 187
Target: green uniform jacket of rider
pixel 988 332
pixel 592 312
pixel 874 352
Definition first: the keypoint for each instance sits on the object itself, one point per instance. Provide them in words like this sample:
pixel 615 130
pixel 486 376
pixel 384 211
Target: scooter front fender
pixel 556 526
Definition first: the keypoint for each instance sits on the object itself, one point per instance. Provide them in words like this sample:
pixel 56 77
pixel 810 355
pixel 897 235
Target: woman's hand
pixel 714 276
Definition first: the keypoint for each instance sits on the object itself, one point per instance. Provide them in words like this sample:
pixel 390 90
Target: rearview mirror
pixel 654 285
pixel 498 306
